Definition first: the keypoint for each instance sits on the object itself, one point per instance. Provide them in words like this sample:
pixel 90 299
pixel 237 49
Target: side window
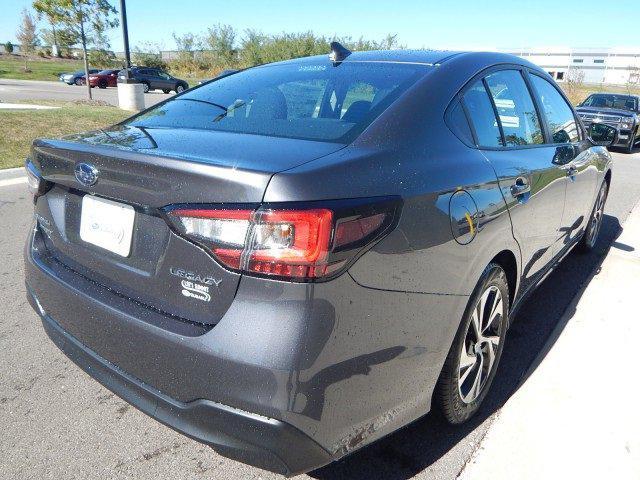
pixel 459 125
pixel 482 116
pixel 559 115
pixel 518 116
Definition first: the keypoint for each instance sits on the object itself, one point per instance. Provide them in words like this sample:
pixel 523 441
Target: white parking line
pixel 13 181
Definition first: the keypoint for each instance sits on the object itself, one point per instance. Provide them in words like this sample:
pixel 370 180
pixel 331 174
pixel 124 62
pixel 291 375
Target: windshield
pixel 105 72
pixel 312 101
pixel 621 102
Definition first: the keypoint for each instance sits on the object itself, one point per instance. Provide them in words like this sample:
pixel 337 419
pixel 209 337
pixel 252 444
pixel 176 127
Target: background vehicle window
pixel 518 116
pixel 559 115
pixel 482 116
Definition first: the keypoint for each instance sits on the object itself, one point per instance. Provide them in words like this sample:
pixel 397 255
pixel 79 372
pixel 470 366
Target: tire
pixel 180 88
pixel 145 87
pixel 590 237
pixel 165 91
pixel 459 401
pixel 78 81
pixel 102 84
pixel 632 142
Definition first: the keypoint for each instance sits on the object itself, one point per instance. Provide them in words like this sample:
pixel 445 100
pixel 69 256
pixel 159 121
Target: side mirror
pixel 602 134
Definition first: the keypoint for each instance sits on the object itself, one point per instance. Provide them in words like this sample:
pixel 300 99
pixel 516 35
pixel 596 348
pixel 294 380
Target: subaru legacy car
pixel 619 111
pixel 290 262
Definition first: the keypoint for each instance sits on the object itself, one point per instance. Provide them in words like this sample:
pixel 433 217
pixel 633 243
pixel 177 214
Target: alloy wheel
pixel 481 344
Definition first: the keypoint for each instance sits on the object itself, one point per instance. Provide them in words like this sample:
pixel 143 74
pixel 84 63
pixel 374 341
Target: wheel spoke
pixel 495 311
pixel 469 369
pixel 492 347
pixel 477 382
pixel 475 321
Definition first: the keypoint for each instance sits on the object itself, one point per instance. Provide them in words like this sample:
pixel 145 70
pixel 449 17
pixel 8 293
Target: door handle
pixel 520 187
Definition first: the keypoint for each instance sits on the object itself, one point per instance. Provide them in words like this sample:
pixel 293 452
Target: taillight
pixel 35 183
pixel 300 244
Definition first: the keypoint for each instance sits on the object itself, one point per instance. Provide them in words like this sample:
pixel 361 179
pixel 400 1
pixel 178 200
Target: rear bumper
pixel 292 377
pixel 260 441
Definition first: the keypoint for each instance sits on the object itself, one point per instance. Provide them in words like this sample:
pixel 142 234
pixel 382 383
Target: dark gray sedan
pixel 291 262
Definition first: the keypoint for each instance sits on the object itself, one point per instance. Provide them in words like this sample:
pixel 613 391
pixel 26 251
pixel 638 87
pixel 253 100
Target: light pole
pixel 125 37
pixel 130 93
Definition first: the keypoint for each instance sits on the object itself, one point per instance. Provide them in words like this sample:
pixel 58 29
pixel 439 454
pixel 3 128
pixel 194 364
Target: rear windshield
pixel 306 101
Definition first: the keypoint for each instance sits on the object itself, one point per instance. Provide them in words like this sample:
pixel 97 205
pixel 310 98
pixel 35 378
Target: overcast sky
pixel 456 24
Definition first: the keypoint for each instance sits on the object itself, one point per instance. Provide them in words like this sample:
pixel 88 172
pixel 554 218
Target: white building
pixel 596 65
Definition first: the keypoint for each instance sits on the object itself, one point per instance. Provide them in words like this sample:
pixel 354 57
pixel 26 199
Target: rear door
pixel 508 129
pixel 573 155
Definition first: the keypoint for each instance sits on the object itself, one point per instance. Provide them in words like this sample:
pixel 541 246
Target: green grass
pixel 21 127
pixel 12 66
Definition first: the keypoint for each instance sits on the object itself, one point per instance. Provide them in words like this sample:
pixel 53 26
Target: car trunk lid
pixel 149 170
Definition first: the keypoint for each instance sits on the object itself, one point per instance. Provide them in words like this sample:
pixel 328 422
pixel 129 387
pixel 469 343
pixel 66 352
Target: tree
pixel 220 41
pixel 149 54
pixel 63 38
pixel 87 19
pixel 27 35
pixel 8 47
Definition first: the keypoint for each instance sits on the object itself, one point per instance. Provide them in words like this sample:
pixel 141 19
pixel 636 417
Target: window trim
pixel 524 70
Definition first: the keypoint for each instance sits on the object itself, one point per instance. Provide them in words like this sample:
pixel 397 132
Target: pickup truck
pixel 618 110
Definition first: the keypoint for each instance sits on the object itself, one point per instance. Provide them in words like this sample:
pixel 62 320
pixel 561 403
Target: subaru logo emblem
pixel 86 174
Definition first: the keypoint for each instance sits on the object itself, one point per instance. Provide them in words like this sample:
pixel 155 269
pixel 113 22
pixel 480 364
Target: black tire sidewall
pixel 583 246
pixel 146 88
pixel 448 395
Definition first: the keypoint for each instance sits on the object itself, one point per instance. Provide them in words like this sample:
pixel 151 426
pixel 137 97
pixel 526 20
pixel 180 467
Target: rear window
pixel 306 101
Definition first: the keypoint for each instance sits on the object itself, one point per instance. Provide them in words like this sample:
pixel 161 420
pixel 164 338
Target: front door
pixel 533 186
pixel 574 155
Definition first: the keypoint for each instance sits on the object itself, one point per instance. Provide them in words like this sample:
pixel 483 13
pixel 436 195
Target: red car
pixel 103 79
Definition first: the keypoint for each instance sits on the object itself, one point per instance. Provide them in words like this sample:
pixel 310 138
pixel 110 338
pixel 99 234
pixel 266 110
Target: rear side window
pixel 457 121
pixel 311 101
pixel 516 110
pixel 559 115
pixel 482 116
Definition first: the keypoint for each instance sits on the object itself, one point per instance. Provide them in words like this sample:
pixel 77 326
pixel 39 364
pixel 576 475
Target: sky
pixel 454 24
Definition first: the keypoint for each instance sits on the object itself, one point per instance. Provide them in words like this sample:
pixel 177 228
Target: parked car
pixel 103 79
pixel 155 79
pixel 619 111
pixel 293 261
pixel 76 77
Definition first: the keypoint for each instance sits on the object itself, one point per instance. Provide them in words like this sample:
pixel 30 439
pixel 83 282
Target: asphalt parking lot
pixel 58 423
pixel 12 91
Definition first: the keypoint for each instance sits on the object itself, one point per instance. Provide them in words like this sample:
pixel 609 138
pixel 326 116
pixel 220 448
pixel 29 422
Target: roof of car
pixel 422 57
pixel 425 57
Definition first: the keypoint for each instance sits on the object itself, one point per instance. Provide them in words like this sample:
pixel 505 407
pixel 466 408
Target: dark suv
pixel 617 110
pixel 155 79
pixel 292 261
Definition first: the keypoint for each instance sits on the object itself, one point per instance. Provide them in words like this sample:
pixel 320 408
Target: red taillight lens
pixel 286 243
pixel 291 243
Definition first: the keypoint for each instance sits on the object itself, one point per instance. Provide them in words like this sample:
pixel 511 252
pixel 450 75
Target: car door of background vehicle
pixel 512 139
pixel 166 80
pixel 573 155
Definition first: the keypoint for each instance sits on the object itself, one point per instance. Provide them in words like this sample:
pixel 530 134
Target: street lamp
pixel 130 93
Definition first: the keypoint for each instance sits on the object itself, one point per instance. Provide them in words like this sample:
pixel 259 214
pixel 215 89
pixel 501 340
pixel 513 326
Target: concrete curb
pixel 8 173
pixel 575 416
